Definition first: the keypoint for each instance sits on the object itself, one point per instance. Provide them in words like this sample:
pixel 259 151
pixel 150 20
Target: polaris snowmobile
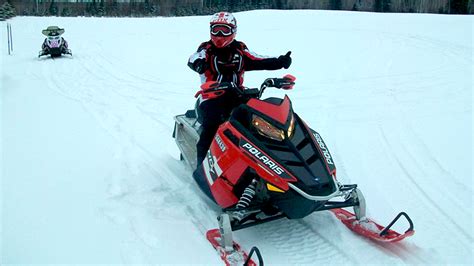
pixel 54 45
pixel 265 163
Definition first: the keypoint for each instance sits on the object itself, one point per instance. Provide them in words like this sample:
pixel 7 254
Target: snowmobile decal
pixel 323 148
pixel 266 160
pixel 211 168
pixel 220 143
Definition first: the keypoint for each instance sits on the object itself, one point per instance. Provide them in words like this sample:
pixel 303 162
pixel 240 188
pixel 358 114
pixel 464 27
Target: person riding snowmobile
pixel 224 59
pixel 54 44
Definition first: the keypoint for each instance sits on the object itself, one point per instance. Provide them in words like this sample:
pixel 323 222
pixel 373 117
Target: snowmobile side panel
pixel 203 183
pixel 225 198
pixel 186 137
pixel 227 156
pixel 323 151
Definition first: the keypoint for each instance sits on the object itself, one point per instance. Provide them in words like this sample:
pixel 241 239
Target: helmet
pixel 223 29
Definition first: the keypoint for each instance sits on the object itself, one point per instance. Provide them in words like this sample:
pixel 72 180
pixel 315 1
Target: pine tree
pixel 53 8
pixel 382 6
pixel 459 6
pixel 335 5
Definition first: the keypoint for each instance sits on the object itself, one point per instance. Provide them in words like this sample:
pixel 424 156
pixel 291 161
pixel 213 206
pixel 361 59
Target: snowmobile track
pixel 300 243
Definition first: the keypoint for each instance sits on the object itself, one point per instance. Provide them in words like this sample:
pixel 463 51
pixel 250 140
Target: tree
pixel 382 6
pixel 53 8
pixel 7 11
pixel 101 9
pixel 66 12
pixel 233 4
pixel 335 5
pixel 459 6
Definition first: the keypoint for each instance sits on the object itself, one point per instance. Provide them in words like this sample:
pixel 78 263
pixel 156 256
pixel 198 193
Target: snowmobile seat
pixel 191 114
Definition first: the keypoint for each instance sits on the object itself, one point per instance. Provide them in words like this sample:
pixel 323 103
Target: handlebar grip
pixel 285 83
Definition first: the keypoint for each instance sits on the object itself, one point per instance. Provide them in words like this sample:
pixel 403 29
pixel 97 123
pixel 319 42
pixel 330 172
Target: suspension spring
pixel 245 200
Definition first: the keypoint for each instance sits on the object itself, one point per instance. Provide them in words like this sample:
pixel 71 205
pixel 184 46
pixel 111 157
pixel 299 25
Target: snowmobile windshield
pixel 221 30
pixel 54 42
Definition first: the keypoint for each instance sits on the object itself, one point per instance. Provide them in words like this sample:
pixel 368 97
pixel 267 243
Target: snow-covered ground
pixel 90 173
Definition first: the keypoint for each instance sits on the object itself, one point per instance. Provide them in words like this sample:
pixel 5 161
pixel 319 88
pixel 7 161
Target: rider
pixel 224 59
pixel 53 33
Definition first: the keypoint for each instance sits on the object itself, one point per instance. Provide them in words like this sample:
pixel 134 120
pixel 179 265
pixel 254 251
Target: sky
pixel 91 174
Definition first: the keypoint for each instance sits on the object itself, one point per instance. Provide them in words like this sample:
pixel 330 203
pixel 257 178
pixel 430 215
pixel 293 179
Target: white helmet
pixel 223 29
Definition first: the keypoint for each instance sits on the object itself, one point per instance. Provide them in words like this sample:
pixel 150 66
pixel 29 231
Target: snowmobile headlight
pixel 291 128
pixel 274 189
pixel 266 129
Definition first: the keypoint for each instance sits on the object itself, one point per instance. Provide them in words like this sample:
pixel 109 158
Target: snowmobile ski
pixel 234 256
pixel 372 230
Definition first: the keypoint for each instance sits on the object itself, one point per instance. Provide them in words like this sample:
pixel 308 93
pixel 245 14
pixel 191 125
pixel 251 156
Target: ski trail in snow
pixel 174 197
pixel 140 183
pixel 98 102
pixel 136 92
pixel 422 191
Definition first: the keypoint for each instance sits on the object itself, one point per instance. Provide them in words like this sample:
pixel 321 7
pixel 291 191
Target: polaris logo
pixel 263 158
pixel 325 151
pixel 220 143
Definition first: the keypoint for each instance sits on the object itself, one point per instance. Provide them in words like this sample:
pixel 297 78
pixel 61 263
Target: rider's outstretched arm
pixel 253 61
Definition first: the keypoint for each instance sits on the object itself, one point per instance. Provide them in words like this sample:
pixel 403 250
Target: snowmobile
pixel 54 45
pixel 265 163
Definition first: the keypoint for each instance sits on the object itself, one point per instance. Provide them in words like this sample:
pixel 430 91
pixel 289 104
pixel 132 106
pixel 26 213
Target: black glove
pixel 200 65
pixel 285 60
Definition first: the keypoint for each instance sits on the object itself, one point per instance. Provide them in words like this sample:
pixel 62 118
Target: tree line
pixel 141 8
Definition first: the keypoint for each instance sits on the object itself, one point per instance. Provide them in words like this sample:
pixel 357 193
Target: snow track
pixel 302 243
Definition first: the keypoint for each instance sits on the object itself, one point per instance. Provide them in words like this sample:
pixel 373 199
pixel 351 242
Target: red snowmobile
pixel 266 163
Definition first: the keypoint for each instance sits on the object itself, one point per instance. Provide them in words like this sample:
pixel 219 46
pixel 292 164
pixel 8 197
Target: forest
pixel 147 8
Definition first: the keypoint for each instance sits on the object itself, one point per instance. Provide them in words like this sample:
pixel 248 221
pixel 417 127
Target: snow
pixel 90 173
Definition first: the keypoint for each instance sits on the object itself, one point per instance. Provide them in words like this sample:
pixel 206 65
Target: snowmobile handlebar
pixel 231 86
pixel 214 89
pixel 285 83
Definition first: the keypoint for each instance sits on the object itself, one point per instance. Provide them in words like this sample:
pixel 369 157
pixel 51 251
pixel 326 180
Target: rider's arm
pixel 253 61
pixel 197 61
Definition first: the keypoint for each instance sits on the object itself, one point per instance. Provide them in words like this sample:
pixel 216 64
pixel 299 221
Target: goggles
pixel 221 30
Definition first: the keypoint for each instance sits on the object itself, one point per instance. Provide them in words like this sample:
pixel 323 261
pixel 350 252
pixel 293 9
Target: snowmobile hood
pixel 301 159
pixel 279 112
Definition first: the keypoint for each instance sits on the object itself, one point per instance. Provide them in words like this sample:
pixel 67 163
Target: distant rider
pixel 64 45
pixel 54 40
pixel 224 59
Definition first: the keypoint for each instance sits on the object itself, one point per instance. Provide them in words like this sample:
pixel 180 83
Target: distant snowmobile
pixel 266 163
pixel 54 44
